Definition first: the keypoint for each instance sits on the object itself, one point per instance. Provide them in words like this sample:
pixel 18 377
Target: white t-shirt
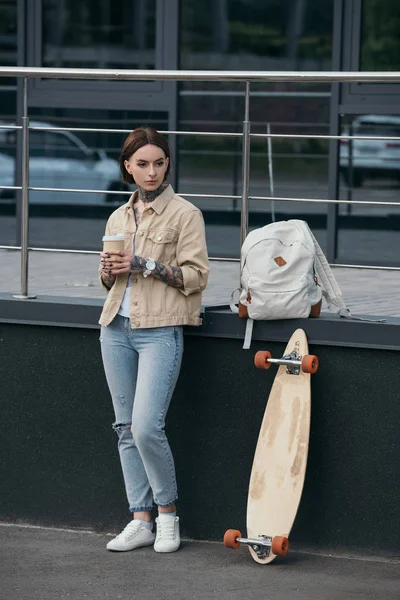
pixel 124 308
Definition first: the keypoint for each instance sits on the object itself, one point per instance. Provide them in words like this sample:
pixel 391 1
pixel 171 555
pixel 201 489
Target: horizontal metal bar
pixel 78 191
pixel 226 196
pixel 254 154
pixel 128 193
pixel 324 137
pixel 222 196
pixel 322 201
pixel 86 129
pixel 308 136
pixel 64 250
pixel 96 252
pixel 255 94
pixel 236 123
pixel 96 130
pixel 371 267
pixel 211 258
pixel 198 75
pixel 222 259
pixel 10 126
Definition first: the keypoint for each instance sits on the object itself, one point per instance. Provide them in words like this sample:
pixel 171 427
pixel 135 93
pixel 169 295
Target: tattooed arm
pixel 192 274
pixel 128 263
pixel 170 275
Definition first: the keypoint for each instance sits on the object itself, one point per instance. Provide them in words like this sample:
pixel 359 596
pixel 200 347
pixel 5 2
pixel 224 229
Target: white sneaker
pixel 168 538
pixel 135 535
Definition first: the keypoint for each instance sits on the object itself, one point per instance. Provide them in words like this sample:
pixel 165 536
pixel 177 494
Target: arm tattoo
pixel 108 280
pixel 172 276
pixel 138 263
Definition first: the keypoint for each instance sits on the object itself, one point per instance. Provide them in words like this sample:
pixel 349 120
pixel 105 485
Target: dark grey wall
pixel 59 463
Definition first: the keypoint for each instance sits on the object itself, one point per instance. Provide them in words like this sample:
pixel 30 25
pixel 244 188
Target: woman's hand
pixel 121 262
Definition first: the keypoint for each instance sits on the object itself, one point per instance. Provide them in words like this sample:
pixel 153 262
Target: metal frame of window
pixel 350 98
pixel 155 95
pixel 117 95
pixel 346 98
pixel 362 97
pixel 334 129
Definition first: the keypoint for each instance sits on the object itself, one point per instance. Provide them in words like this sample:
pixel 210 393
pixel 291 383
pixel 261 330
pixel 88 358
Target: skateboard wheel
pixel 261 359
pixel 280 545
pixel 230 540
pixel 309 363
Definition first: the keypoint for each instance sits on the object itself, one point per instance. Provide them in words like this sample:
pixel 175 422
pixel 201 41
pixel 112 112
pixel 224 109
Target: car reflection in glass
pixel 59 159
pixel 370 159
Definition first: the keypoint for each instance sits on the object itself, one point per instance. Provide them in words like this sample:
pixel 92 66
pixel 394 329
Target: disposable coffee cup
pixel 113 243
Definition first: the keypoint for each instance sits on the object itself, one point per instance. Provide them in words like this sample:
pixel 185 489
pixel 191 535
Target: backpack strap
pixel 330 288
pixel 249 322
pixel 248 334
pixel 233 307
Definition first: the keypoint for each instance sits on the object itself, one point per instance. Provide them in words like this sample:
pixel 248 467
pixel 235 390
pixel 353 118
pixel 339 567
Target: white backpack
pixel 284 275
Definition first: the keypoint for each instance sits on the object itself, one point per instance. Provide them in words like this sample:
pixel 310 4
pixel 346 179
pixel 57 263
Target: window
pixel 253 35
pixel 102 34
pixel 99 34
pixel 380 36
pixel 8 57
pixel 8 32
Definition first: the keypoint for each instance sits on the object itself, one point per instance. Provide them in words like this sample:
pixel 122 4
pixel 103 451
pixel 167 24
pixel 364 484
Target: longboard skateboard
pixel 279 465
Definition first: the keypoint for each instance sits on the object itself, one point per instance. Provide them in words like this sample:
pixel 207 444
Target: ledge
pixel 328 330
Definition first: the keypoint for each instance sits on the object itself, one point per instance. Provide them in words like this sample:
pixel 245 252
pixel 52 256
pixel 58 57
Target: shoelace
pixel 130 530
pixel 166 528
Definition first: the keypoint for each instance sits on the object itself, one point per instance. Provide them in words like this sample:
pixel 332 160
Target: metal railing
pixel 142 75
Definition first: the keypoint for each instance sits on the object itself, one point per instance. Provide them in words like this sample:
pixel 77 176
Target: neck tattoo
pixel 147 196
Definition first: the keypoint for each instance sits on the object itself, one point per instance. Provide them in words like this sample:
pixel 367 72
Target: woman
pixel 154 288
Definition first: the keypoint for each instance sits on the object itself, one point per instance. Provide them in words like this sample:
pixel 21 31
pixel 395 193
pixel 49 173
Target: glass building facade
pixel 240 35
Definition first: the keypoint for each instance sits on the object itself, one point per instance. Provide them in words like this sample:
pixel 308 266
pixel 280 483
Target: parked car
pixel 59 159
pixel 371 158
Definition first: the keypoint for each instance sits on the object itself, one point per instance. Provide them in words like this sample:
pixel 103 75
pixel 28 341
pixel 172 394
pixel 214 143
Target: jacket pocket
pixel 162 236
pixel 161 245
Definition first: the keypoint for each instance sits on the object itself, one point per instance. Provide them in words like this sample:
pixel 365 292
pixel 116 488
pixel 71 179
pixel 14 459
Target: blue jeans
pixel 142 367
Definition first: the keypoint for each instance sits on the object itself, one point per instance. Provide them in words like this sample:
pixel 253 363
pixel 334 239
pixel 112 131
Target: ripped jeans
pixel 142 367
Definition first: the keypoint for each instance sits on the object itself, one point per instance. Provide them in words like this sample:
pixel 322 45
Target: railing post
pixel 271 172
pixel 236 152
pixel 244 222
pixel 25 199
pixel 350 171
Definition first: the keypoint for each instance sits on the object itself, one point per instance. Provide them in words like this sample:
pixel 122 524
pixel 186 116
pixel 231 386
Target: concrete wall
pixel 59 462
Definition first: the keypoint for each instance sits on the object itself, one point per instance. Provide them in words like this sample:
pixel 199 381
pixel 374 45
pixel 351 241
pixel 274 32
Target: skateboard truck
pixel 295 363
pixel 262 545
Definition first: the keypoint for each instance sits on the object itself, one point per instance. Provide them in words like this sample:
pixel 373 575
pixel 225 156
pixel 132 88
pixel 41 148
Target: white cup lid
pixel 113 238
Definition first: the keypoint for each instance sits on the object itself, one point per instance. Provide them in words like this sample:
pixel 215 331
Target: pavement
pixel 48 564
pixel 366 292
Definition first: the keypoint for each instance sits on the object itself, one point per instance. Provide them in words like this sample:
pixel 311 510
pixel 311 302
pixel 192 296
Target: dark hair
pixel 135 140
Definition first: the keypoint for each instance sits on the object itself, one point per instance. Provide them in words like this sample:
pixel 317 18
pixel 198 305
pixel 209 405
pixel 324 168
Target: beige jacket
pixel 171 231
